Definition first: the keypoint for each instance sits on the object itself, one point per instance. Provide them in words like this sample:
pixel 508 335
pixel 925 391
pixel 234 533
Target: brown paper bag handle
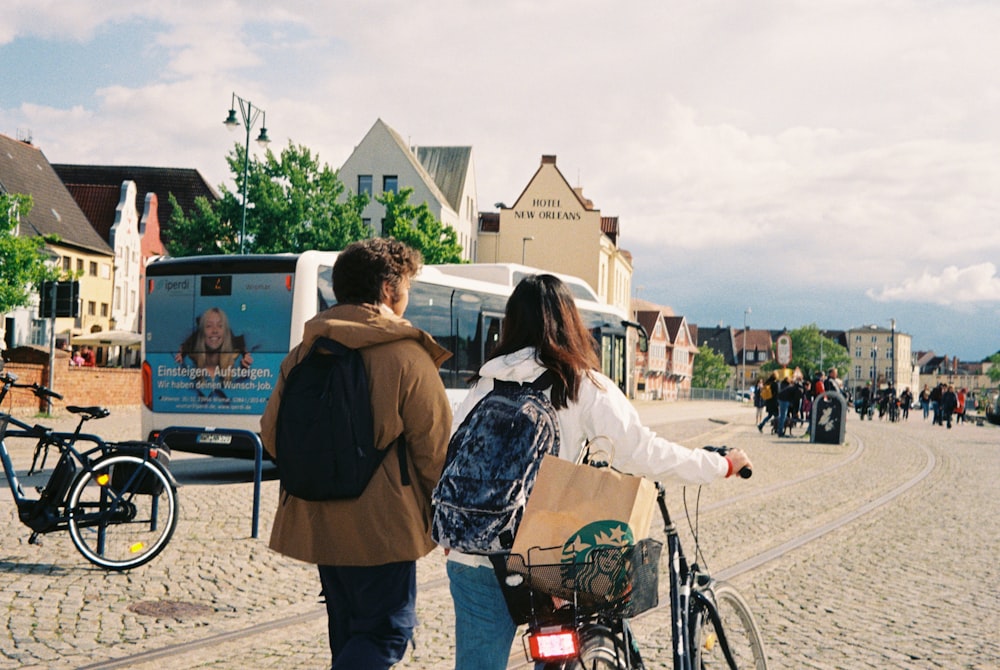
pixel 587 453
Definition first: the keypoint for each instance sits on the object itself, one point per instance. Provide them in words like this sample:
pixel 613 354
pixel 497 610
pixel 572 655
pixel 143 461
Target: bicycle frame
pixel 558 639
pixel 64 442
pixel 687 583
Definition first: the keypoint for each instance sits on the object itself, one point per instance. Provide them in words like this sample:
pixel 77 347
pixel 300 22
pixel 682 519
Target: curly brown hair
pixel 363 267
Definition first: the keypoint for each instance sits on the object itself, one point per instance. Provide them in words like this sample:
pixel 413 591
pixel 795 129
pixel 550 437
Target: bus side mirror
pixel 641 332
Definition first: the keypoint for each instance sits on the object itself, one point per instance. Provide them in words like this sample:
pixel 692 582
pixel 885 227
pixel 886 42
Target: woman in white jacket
pixel 543 331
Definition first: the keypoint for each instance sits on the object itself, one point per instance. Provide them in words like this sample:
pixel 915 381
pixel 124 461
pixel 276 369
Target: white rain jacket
pixel 602 410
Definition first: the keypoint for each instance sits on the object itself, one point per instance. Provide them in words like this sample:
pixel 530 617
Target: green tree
pixel 994 371
pixel 22 259
pixel 293 205
pixel 710 370
pixel 418 227
pixel 812 351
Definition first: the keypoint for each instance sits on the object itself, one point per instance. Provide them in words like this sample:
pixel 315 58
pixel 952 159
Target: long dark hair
pixel 541 314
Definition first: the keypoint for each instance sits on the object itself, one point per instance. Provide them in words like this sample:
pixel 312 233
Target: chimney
pixel 549 159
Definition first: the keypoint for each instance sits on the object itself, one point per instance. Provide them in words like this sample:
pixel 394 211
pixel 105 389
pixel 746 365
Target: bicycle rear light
pixel 553 644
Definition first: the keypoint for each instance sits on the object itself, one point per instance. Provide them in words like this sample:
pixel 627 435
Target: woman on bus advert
pixel 215 354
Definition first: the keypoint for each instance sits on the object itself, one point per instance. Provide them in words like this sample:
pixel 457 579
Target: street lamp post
pixel 743 380
pixel 249 113
pixel 874 368
pixel 892 353
pixel 524 244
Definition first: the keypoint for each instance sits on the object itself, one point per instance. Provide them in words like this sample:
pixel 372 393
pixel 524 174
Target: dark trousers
pixel 371 613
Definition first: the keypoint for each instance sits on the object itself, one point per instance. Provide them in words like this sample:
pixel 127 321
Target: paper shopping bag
pixel 577 509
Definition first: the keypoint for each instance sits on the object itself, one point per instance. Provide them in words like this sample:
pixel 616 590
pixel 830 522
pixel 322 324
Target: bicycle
pixel 577 614
pixel 116 499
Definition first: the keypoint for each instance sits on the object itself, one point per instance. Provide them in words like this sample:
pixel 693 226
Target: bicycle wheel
pixel 122 511
pixel 734 626
pixel 600 649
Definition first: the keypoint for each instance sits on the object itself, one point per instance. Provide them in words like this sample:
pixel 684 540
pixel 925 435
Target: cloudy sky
pixel 834 162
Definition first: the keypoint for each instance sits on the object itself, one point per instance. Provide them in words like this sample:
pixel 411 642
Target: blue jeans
pixel 783 406
pixel 371 613
pixel 484 631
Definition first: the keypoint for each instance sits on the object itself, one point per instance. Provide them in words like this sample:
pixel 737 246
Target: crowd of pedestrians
pixel 945 404
pixel 788 400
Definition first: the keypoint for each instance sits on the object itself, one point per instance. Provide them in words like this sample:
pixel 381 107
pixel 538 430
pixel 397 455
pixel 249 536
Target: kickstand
pixel 35 539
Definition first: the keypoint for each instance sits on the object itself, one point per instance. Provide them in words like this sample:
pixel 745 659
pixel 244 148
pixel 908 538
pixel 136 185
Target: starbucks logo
pixel 598 561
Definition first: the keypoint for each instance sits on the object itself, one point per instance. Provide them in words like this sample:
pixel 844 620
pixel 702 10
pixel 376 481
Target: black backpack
pixel 490 469
pixel 325 441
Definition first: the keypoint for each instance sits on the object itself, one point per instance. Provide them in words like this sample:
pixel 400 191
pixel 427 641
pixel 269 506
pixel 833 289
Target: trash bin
pixel 828 420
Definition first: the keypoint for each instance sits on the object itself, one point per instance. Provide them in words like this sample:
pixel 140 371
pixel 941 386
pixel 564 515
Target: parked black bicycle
pixel 578 613
pixel 117 499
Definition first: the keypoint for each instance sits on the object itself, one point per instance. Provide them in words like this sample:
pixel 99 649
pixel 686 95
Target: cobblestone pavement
pixel 909 584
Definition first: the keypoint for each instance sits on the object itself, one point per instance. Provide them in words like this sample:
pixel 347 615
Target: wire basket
pixel 618 581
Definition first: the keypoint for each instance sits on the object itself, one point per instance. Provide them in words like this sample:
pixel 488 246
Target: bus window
pixel 324 288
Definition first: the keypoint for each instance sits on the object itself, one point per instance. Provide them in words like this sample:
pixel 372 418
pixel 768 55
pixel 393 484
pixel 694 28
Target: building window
pixel 365 184
pixel 93 269
pixel 366 221
pixel 118 297
pixel 857 372
pixel 104 309
pixel 390 183
pixel 67 263
pixel 79 265
pixel 91 308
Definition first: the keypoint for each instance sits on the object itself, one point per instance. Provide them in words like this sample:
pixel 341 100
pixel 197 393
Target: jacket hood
pixel 520 366
pixel 360 326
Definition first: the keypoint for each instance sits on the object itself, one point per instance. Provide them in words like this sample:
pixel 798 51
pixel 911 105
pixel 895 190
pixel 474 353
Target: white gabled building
pixel 443 177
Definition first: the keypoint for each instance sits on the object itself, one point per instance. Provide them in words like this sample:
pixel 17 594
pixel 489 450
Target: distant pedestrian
pixel 807 403
pixel 770 395
pixel 819 386
pixel 949 403
pixel 758 401
pixel 925 401
pixel 935 397
pixel 905 400
pixel 789 397
pixel 960 410
pixel 832 382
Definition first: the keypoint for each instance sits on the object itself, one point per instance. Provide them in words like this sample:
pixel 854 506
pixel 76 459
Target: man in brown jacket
pixel 367 548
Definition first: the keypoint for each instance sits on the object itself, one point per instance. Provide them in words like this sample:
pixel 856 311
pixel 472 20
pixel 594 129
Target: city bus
pixel 259 305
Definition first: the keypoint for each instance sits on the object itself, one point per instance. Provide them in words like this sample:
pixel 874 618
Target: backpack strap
pixel 543 382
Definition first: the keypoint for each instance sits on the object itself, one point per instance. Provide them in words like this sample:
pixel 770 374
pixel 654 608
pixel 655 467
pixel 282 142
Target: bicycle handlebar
pixel 745 472
pixel 10 379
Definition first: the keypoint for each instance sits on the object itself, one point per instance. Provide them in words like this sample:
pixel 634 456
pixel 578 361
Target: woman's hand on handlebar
pixel 740 460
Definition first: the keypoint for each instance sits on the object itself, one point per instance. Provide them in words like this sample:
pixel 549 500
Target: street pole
pixel 743 380
pixel 249 114
pixel 892 364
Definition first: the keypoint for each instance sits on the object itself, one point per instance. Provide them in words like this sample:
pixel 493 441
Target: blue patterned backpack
pixel 490 469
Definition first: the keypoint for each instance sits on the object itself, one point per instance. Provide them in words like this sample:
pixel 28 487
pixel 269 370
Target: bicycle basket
pixel 148 483
pixel 619 581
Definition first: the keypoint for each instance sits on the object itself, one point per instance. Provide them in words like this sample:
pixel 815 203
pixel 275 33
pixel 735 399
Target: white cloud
pixel 974 284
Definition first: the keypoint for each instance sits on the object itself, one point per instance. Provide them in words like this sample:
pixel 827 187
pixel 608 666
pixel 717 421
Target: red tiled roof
pixel 99 204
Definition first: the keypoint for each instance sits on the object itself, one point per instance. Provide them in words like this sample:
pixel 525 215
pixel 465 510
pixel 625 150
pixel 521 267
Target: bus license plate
pixel 215 438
